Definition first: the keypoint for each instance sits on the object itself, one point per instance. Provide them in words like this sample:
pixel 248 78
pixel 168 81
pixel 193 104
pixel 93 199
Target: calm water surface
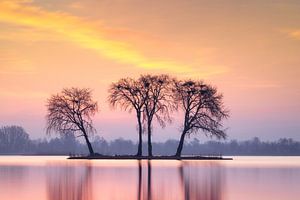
pixel 55 178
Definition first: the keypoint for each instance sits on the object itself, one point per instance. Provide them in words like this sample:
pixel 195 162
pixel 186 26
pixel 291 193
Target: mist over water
pixel 55 178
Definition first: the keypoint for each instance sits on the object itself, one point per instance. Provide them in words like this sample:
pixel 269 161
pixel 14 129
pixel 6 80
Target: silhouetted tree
pixel 158 102
pixel 120 145
pixel 127 94
pixel 68 140
pixel 13 139
pixel 100 145
pixel 71 110
pixel 203 109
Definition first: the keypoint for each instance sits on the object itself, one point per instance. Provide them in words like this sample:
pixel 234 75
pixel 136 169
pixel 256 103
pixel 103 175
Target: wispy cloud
pixel 261 86
pixel 295 34
pixel 23 94
pixel 13 63
pixel 90 36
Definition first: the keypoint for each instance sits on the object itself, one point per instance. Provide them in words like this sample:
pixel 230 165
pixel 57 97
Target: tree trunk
pixel 180 145
pixel 140 153
pixel 91 150
pixel 149 140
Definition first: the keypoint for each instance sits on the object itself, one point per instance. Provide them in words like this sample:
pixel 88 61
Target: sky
pixel 249 50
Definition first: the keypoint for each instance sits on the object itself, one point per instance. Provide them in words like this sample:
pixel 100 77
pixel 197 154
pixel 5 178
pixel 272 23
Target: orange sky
pixel 250 51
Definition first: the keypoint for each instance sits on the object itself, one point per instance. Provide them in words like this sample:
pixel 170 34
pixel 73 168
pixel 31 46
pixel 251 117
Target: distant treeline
pixel 15 140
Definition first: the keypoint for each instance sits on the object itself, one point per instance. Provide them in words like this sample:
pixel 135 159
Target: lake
pixel 56 178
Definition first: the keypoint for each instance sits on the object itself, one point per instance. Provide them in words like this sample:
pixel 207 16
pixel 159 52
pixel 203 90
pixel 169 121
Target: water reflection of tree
pixel 198 182
pixel 12 175
pixel 205 183
pixel 149 185
pixel 69 183
pixel 139 180
pixel 142 184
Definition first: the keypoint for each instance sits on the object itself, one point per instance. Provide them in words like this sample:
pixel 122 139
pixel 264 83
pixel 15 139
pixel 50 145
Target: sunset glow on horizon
pixel 249 51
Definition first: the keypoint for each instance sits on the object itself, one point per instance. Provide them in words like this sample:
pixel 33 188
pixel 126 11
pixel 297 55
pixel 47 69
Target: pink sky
pixel 250 51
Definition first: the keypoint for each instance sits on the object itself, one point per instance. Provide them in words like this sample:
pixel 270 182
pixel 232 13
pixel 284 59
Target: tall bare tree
pixel 72 110
pixel 158 102
pixel 203 109
pixel 127 94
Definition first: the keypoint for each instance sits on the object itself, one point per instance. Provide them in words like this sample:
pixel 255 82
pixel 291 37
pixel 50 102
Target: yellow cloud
pixel 13 63
pixel 85 34
pixel 294 34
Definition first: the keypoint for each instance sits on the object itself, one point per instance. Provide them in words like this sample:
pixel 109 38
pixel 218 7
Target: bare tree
pixel 71 110
pixel 127 94
pixel 203 109
pixel 158 102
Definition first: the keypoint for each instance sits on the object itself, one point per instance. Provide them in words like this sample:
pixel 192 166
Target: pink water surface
pixel 56 178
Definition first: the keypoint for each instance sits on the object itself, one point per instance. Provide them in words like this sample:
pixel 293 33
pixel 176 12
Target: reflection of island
pixel 197 182
pixel 187 181
pixel 205 183
pixel 12 173
pixel 69 183
pixel 12 176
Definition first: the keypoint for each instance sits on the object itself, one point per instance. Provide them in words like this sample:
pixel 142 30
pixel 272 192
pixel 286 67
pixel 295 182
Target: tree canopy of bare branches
pixel 203 109
pixel 72 110
pixel 158 102
pixel 126 93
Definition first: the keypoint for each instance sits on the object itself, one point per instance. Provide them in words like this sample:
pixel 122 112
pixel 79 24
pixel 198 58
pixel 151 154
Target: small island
pixel 133 157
